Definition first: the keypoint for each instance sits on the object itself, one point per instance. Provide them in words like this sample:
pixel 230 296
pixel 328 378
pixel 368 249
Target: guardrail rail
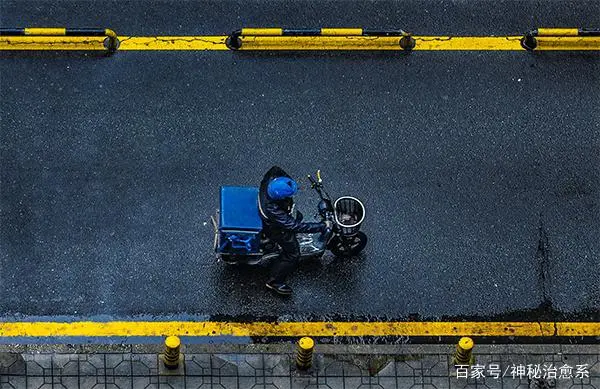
pixel 111 42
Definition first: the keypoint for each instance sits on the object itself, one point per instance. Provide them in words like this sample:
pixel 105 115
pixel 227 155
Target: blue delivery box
pixel 240 224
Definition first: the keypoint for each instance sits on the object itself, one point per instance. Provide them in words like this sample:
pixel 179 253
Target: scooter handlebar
pixel 318 185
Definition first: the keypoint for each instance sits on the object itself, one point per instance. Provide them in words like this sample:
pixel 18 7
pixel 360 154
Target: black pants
pixel 289 258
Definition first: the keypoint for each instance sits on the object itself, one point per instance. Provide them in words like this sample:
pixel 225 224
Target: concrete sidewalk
pixel 273 366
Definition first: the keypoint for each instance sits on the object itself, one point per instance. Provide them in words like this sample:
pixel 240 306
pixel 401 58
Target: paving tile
pixel 117 382
pixel 276 364
pixel 11 363
pixel 198 382
pixel 281 382
pixel 329 366
pixel 552 359
pixel 211 382
pixel 465 384
pixel 348 383
pixel 270 383
pixel 65 364
pixel 51 382
pixel 38 364
pixel 436 365
pixel 195 382
pixel 351 369
pixel 407 382
pixel 37 383
pixel 407 368
pixel 251 365
pixel 108 382
pixel 491 383
pixel 68 383
pixel 438 382
pixel 316 383
pixel 224 365
pixel 171 382
pixel 592 362
pixel 92 382
pixel 508 359
pixel 284 365
pixel 144 365
pixel 119 364
pixel 567 384
pixel 510 383
pixel 145 382
pixel 198 364
pixel 91 364
pixel 370 382
pixel 12 382
pixel 389 370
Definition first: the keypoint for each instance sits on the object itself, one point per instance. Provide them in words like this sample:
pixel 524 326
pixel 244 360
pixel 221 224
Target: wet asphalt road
pixel 480 171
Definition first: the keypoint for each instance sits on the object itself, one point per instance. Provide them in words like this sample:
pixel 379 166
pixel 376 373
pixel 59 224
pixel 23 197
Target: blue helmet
pixel 281 188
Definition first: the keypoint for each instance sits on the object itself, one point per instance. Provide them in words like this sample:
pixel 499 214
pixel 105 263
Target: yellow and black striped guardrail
pixel 45 35
pixel 321 38
pixel 274 39
pixel 554 37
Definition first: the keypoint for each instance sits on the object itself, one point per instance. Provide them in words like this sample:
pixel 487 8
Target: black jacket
pixel 276 213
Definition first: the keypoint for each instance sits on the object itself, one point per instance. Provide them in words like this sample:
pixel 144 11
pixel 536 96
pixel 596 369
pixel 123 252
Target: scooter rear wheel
pixel 348 246
pixel 229 259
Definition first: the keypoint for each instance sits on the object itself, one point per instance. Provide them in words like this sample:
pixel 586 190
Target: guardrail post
pixel 304 353
pixel 464 352
pixel 112 41
pixel 172 352
pixel 407 42
pixel 528 42
pixel 233 41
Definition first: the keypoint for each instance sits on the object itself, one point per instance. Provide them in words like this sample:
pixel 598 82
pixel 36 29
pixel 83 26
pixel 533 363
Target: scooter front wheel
pixel 348 246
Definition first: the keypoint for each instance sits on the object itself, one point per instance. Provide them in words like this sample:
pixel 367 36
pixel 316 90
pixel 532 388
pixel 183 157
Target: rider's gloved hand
pixel 327 229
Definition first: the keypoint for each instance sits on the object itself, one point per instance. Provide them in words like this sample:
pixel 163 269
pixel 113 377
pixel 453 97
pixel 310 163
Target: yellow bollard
pixel 172 348
pixel 305 353
pixel 464 352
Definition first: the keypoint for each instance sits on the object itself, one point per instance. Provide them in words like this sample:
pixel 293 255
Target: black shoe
pixel 279 287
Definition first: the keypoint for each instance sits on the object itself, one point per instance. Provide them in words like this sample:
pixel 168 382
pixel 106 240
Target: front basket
pixel 349 214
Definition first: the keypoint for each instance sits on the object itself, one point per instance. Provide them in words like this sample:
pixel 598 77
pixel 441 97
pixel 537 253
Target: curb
pixel 289 348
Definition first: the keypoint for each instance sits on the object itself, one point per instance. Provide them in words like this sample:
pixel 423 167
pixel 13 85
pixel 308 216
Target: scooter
pixel 239 236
